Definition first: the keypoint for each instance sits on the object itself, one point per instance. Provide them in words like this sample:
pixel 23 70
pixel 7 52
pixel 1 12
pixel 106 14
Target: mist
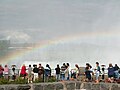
pixel 28 21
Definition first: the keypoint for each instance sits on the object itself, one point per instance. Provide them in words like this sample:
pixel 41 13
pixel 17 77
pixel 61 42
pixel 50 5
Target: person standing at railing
pixel 35 71
pixel 88 74
pixel 111 73
pixel 13 72
pixel 67 71
pixel 1 71
pixel 90 69
pixel 30 74
pixel 57 69
pixel 119 73
pixel 41 72
pixel 23 71
pixel 47 72
pixel 62 72
pixel 97 72
pixel 6 72
pixel 116 69
pixel 89 66
pixel 77 68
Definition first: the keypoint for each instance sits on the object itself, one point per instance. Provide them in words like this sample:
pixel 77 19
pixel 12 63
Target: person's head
pixel 87 64
pixel 13 66
pixel 29 65
pixel 34 65
pixel 87 68
pixel 57 65
pixel 40 64
pixel 97 63
pixel 116 65
pixel 67 64
pixel 76 65
pixel 5 65
pixel 110 65
pixel 64 64
pixel 47 65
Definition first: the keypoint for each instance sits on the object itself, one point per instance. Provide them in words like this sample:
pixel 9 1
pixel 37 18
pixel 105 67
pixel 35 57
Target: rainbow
pixel 65 39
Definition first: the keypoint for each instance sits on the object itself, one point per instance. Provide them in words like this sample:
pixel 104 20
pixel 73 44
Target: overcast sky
pixel 41 20
pixel 44 20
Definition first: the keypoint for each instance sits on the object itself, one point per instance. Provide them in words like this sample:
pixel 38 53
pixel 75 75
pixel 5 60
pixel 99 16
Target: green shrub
pixel 20 80
pixel 4 81
pixel 52 79
pixel 39 80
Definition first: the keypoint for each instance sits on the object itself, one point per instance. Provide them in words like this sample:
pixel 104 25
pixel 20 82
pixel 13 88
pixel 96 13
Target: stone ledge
pixel 76 85
pixel 14 87
pixel 66 85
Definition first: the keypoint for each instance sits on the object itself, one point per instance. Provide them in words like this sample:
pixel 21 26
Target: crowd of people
pixel 64 72
pixel 113 73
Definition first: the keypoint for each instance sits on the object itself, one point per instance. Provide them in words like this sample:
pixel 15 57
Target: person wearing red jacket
pixel 23 71
pixel 1 71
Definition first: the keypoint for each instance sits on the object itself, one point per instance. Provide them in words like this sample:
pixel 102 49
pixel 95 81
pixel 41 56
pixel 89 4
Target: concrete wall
pixel 69 85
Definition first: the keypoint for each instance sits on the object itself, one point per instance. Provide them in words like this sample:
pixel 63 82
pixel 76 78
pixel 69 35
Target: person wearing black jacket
pixel 35 70
pixel 116 71
pixel 57 69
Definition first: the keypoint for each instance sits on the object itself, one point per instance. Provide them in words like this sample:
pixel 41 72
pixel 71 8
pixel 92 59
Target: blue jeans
pixel 57 77
pixel 116 74
pixel 62 76
pixel 68 78
pixel 97 75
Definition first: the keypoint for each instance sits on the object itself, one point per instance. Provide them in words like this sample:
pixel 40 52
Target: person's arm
pixel 33 70
pixel 2 68
pixel 118 68
pixel 92 72
pixel 65 70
